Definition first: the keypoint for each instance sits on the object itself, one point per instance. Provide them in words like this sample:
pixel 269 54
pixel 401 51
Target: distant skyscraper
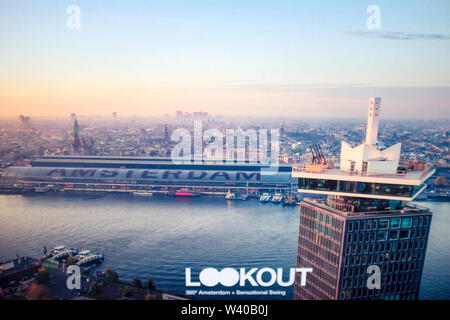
pixel 166 134
pixel 76 144
pixel 114 115
pixel 24 121
pixel 73 116
pixel 21 120
pixel 364 222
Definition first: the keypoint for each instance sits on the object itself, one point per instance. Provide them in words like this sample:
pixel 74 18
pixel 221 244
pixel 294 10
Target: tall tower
pixel 166 134
pixel 366 222
pixel 372 121
pixel 76 129
pixel 76 144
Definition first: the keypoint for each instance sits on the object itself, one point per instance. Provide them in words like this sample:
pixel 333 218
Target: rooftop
pixel 408 209
pixel 10 267
pixel 409 177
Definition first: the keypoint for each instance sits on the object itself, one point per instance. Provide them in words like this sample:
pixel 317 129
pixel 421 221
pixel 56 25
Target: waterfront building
pixel 17 274
pixel 135 174
pixel 366 221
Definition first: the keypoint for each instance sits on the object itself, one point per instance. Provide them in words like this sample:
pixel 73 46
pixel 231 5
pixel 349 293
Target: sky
pixel 265 58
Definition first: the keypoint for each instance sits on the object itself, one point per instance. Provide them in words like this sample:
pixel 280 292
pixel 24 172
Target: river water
pixel 158 238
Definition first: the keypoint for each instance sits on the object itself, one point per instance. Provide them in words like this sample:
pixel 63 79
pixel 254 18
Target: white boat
pixel 230 196
pixel 64 254
pixel 89 259
pixel 233 196
pixel 143 193
pixel 41 189
pixel 56 250
pixel 265 197
pixel 277 198
pixel 83 253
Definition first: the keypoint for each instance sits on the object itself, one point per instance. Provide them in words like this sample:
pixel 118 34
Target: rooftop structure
pixel 367 171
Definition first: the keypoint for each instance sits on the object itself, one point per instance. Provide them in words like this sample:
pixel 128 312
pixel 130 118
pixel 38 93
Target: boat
pixel 56 250
pixel 41 189
pixel 90 259
pixel 265 197
pixel 83 253
pixel 64 254
pixel 143 193
pixel 230 196
pixel 184 193
pixel 277 198
pixel 236 197
pixel 289 201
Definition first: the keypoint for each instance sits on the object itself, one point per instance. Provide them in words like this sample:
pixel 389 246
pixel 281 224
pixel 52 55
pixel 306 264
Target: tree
pixel 95 289
pixel 150 285
pixel 127 292
pixel 71 260
pixel 37 292
pixel 137 283
pixel 43 277
pixel 111 275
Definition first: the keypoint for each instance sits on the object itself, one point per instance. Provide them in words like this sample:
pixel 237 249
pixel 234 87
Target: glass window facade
pixel 380 189
pixel 399 251
pixel 340 248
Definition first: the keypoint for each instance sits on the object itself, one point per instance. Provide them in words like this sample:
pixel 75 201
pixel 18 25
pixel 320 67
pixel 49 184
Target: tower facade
pixel 366 222
pixel 76 144
pixel 373 120
pixel 81 145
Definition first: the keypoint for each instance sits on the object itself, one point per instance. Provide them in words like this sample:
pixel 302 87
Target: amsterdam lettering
pixel 158 174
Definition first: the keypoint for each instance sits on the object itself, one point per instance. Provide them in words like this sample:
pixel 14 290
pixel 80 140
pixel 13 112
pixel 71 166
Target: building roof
pixel 410 178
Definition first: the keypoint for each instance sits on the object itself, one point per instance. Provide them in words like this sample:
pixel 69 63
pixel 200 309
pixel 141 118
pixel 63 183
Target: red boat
pixel 184 193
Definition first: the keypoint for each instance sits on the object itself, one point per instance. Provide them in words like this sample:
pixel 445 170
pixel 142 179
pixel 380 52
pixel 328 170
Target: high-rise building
pixel 76 144
pixel 366 227
pixel 166 134
pixel 24 121
pixel 21 119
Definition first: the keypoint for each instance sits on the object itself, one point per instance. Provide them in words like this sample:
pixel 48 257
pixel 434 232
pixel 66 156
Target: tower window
pixel 404 234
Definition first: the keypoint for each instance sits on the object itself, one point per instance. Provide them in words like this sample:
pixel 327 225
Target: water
pixel 158 238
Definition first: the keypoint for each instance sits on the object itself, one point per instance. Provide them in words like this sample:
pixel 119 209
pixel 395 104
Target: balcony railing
pixel 303 168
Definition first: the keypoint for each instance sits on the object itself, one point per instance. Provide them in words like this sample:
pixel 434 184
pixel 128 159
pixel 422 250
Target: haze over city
pixel 224 151
pixel 285 58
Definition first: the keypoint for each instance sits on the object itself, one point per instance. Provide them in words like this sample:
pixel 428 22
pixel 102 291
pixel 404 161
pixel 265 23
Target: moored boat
pixel 143 193
pixel 64 254
pixel 184 193
pixel 277 198
pixel 265 197
pixel 289 201
pixel 53 252
pixel 90 259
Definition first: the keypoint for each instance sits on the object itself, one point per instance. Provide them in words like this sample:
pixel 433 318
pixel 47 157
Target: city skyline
pixel 297 59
